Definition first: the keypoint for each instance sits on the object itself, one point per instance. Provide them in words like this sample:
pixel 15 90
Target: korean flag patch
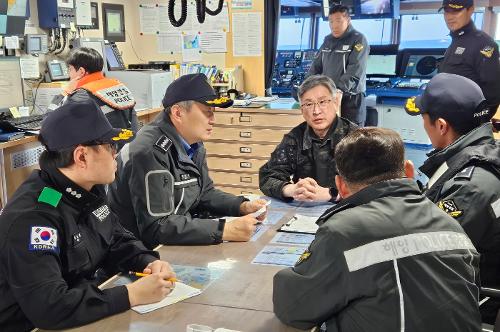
pixel 43 238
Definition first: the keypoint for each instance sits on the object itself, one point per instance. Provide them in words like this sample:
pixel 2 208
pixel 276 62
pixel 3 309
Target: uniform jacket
pixel 474 54
pixel 296 157
pixel 384 259
pixel 159 187
pixel 54 235
pixel 344 60
pixel 469 190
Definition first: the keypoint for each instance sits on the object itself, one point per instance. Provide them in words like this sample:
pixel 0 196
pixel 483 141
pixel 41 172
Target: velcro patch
pixel 305 255
pixel 465 174
pixel 50 196
pixel 43 238
pixel 101 213
pixel 163 144
pixel 487 51
pixel 118 96
pixel 449 206
pixel 359 47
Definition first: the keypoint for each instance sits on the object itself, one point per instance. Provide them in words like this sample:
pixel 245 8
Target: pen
pixel 140 274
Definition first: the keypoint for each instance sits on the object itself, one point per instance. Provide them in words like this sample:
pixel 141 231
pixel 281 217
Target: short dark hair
pixel 87 58
pixel 459 126
pixel 370 155
pixel 184 104
pixel 61 158
pixel 339 9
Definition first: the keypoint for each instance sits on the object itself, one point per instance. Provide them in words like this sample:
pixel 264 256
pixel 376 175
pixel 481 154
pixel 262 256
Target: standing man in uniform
pixel 57 230
pixel 464 168
pixel 472 52
pixel 306 153
pixel 163 175
pixel 385 258
pixel 343 57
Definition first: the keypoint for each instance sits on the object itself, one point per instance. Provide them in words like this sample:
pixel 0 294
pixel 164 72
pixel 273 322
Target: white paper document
pixel 29 67
pixel 213 42
pixel 247 39
pixel 170 43
pixel 149 19
pixel 301 224
pixel 180 292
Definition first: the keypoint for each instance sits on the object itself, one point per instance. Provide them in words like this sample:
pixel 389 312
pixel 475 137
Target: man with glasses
pixel 306 153
pixel 472 53
pixel 57 231
pixel 343 57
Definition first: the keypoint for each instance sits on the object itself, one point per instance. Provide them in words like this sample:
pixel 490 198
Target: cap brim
pixel 453 9
pixel 215 101
pixel 413 106
pixel 117 135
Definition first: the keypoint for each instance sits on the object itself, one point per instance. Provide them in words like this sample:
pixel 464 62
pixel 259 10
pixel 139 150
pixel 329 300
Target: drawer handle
pixel 245 118
pixel 246 134
pixel 246 179
pixel 245 164
pixel 245 149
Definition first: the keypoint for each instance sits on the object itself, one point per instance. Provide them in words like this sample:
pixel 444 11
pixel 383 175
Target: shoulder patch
pixel 449 206
pixel 305 255
pixel 487 51
pixel 43 238
pixel 163 144
pixel 50 196
pixel 359 47
pixel 496 208
pixel 465 174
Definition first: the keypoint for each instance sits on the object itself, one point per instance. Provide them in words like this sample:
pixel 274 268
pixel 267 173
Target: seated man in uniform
pixel 385 258
pixel 87 80
pixel 57 230
pixel 464 168
pixel 163 175
pixel 306 153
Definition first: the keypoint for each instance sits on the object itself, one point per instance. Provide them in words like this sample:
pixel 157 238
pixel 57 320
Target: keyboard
pixel 24 123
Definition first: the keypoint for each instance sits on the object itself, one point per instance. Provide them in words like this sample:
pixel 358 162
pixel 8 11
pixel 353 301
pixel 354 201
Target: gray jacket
pixel 158 187
pixel 344 60
pixel 382 259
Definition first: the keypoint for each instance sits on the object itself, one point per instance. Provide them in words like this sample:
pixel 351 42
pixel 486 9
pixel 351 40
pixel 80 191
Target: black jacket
pixel 474 54
pixel 54 235
pixel 344 60
pixel 302 154
pixel 469 190
pixel 383 259
pixel 158 188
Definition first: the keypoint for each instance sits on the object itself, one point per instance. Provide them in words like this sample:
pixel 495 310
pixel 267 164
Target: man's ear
pixel 80 156
pixel 176 112
pixel 443 126
pixel 342 187
pixel 409 169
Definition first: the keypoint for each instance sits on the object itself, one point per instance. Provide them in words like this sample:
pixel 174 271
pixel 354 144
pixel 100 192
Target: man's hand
pixel 248 207
pixel 158 266
pixel 150 289
pixel 239 229
pixel 307 190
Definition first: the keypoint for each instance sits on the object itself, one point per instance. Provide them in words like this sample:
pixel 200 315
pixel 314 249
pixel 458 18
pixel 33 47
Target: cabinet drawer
pixel 249 134
pixel 259 119
pixel 238 179
pixel 239 149
pixel 240 190
pixel 235 164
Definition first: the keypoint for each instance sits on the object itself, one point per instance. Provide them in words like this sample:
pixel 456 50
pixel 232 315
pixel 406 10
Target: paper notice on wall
pixel 164 24
pixel 219 22
pixel 29 67
pixel 241 4
pixel 12 42
pixel 149 19
pixel 191 50
pixel 247 39
pixel 213 42
pixel 170 43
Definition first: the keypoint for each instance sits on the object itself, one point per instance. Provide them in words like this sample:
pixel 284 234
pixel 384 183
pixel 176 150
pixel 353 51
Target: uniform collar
pixel 190 149
pixel 90 78
pixel 464 30
pixel 310 135
pixel 71 191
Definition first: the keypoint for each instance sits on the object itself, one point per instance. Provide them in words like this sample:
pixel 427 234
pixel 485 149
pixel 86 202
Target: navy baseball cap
pixel 456 5
pixel 194 87
pixel 451 96
pixel 78 123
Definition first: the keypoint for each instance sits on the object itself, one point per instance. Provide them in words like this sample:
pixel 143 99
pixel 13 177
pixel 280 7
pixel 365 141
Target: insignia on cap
pixel 454 6
pixel 305 255
pixel 50 196
pixel 449 206
pixel 487 51
pixel 218 101
pixel 410 105
pixel 358 47
pixel 125 134
pixel 163 144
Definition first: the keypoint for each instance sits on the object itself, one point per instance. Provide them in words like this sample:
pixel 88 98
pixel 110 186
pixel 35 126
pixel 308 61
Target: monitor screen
pixel 11 84
pixel 111 58
pixel 371 7
pixel 56 69
pixel 381 64
pixel 35 44
pixel 329 3
pixel 421 65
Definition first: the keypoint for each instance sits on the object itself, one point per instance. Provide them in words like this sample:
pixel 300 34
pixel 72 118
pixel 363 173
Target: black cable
pixel 171 15
pixel 217 11
pixel 36 92
pixel 201 11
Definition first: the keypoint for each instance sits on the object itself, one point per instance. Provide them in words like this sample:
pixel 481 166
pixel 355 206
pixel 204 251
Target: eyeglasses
pixel 309 106
pixel 110 147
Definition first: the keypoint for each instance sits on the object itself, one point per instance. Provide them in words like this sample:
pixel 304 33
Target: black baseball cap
pixel 456 5
pixel 451 97
pixel 78 123
pixel 194 87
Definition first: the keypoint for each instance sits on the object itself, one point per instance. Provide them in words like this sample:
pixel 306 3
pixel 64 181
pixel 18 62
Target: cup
pixel 198 328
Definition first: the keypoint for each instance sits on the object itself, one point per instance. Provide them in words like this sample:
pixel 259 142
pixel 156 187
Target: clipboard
pixel 300 224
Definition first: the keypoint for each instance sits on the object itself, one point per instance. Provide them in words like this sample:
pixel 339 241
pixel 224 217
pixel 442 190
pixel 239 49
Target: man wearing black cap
pixel 464 168
pixel 472 52
pixel 57 230
pixel 163 175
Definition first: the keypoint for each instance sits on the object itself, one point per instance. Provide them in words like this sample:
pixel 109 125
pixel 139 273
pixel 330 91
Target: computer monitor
pixel 327 4
pixel 11 83
pixel 420 63
pixel 381 65
pixel 35 44
pixel 113 62
pixel 377 9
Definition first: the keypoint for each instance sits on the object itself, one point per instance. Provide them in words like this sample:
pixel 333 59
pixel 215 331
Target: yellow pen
pixel 140 274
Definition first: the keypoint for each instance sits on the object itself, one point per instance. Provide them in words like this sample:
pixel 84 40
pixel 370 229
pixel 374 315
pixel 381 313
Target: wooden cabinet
pixel 242 141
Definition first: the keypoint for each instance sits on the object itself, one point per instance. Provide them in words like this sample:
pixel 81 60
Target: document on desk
pixel 179 293
pixel 273 217
pixel 292 238
pixel 199 277
pixel 279 255
pixel 300 224
pixel 313 209
pixel 259 228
